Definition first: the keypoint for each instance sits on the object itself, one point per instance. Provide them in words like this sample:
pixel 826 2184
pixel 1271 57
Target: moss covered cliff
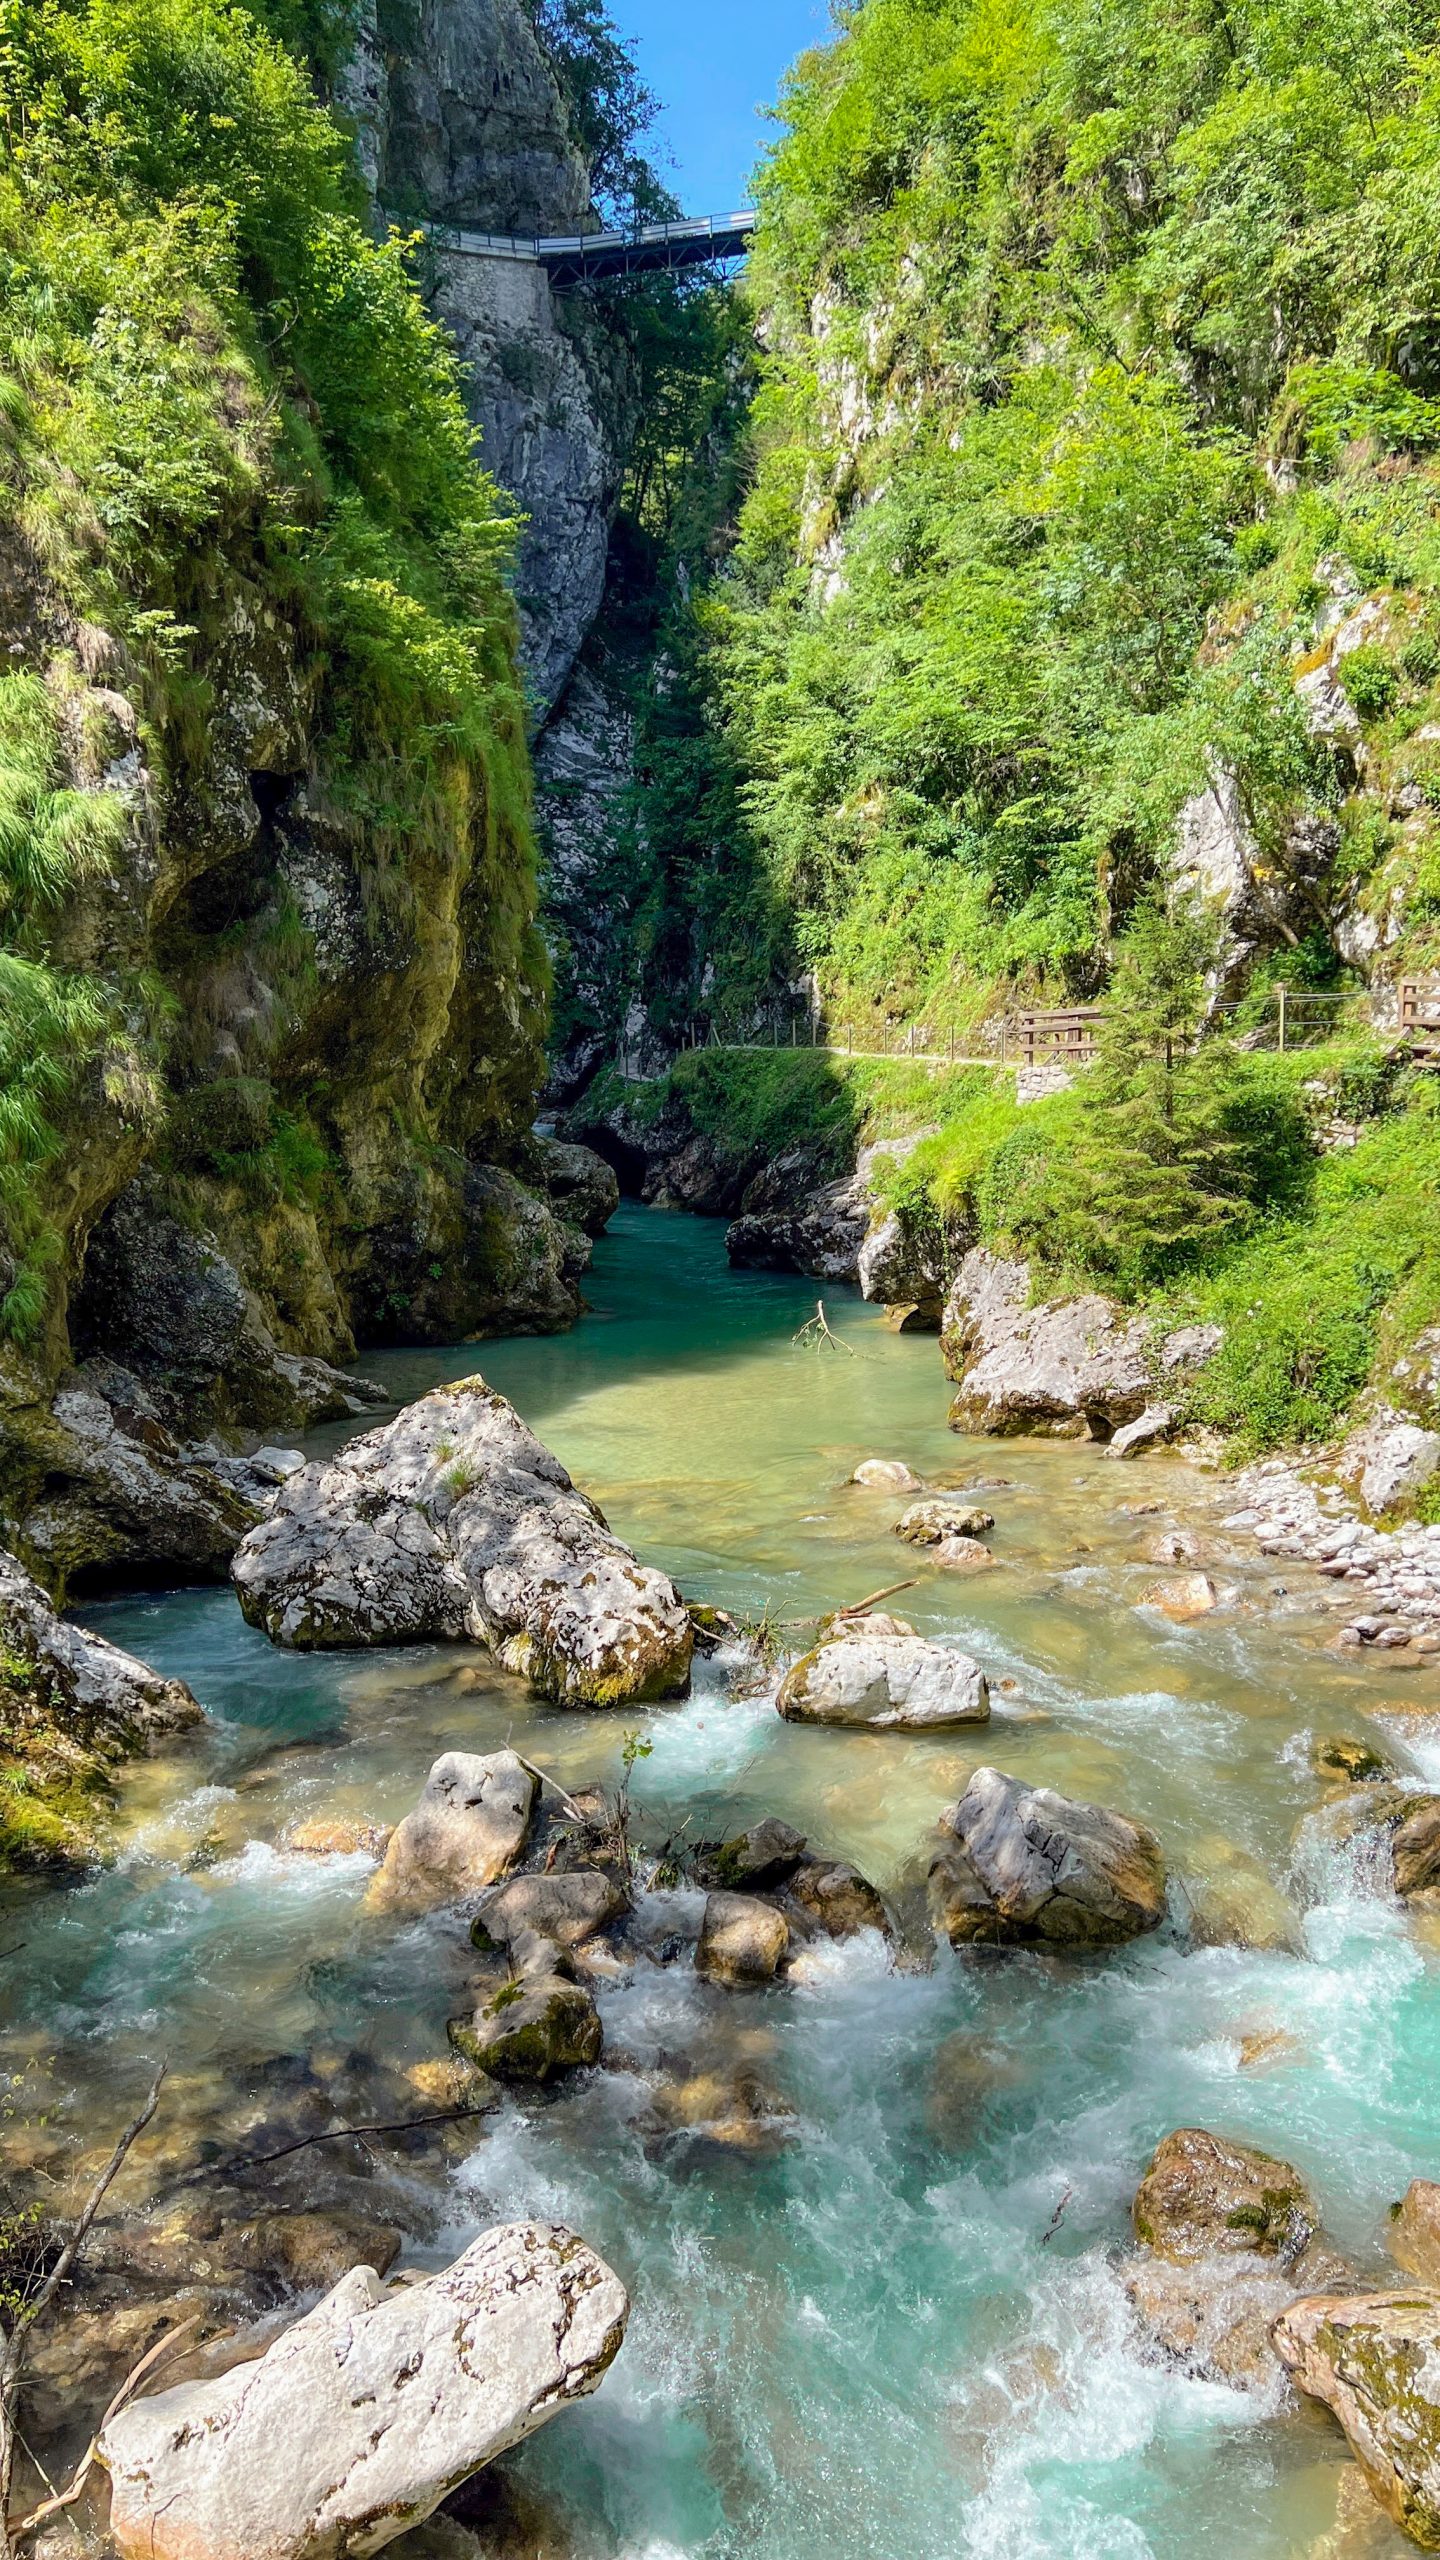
pixel 273 988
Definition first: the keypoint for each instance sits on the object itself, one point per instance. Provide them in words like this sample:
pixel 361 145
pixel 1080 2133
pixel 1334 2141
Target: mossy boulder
pixel 531 2030
pixel 72 1708
pixel 1374 2359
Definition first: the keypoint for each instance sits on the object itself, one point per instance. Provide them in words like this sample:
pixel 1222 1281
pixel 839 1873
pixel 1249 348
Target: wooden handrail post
pixel 1282 992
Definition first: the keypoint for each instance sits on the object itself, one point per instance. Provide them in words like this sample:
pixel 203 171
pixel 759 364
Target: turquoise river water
pixel 885 2337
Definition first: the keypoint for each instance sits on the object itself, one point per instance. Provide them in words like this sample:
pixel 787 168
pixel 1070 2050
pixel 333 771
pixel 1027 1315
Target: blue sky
pixel 712 69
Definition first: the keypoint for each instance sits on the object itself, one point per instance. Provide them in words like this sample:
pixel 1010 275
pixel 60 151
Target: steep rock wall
pixel 464 122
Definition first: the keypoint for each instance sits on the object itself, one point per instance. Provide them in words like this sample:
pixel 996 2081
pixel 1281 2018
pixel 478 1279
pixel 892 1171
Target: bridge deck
pixel 660 245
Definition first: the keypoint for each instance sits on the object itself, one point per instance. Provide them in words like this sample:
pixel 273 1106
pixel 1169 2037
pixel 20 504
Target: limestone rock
pixel 72 1706
pixel 81 1682
pixel 878 1672
pixel 1389 1462
pixel 900 1264
pixel 1229 2235
pixel 827 1895
pixel 529 2030
pixel 742 1939
pixel 941 1516
pixel 1155 1423
pixel 337 1835
pixel 961 1555
pixel 1395 1829
pixel 166 1304
pixel 1071 1365
pixel 455 1520
pixel 1414 2237
pixel 891 1472
pixel 1029 1867
pixel 581 1184
pixel 1354 1762
pixel 362 2416
pixel 1205 2196
pixel 767 1854
pixel 467 1829
pixel 110 1487
pixel 1374 2359
pixel 567 1909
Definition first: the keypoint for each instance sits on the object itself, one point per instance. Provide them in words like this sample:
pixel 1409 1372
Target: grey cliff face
pixel 466 124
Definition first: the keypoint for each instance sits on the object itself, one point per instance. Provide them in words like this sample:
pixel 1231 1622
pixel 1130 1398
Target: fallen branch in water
pixel 336 2133
pixel 1056 2218
pixel 13 2344
pixel 858 1608
pixel 814 1335
pixel 59 2499
pixel 544 1779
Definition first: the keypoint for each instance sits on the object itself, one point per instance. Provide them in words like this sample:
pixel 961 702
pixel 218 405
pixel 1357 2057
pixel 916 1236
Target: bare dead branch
pixel 66 2497
pixel 814 1335
pixel 12 2353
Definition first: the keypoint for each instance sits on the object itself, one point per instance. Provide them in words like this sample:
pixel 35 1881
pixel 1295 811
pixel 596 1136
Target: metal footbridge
pixel 657 247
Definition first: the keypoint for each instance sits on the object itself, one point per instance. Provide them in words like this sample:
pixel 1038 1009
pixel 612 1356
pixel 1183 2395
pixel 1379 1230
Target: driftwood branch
pixel 336 2133
pixel 544 1779
pixel 814 1335
pixel 12 2354
pixel 59 2499
pixel 858 1608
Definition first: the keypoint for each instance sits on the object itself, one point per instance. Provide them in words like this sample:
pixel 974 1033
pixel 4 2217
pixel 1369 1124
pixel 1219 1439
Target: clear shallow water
pixel 864 2344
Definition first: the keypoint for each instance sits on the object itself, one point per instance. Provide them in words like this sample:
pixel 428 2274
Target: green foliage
pixel 1372 680
pixel 224 411
pixel 1043 286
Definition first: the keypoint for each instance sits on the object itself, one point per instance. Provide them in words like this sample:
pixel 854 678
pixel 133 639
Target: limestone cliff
pixel 463 122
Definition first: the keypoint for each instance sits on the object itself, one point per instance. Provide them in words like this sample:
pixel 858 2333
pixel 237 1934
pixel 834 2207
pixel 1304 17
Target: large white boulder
pixel 355 2424
pixel 454 1520
pixel 878 1672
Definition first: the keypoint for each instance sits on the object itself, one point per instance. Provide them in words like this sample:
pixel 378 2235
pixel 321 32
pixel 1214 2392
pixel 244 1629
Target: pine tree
pixel 1156 1168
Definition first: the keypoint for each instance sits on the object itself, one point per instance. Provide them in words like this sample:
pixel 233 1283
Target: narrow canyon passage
pixel 882 2313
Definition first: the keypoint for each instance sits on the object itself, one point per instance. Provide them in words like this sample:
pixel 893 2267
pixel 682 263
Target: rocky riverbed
pixel 840 2167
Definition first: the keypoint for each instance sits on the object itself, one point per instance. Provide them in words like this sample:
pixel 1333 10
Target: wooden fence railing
pixel 1420 1019
pixel 1065 1035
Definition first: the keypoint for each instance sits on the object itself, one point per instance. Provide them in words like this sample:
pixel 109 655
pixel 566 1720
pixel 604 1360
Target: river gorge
pixel 871 2217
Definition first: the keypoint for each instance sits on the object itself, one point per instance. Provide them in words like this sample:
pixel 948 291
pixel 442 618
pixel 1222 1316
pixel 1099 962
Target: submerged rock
pixel 876 1671
pixel 360 2418
pixel 1182 1597
pixel 1374 2360
pixel 468 1827
pixel 891 1472
pixel 531 2028
pixel 1232 1902
pixel 1354 1762
pixel 1029 1867
pixel 742 1939
pixel 455 1520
